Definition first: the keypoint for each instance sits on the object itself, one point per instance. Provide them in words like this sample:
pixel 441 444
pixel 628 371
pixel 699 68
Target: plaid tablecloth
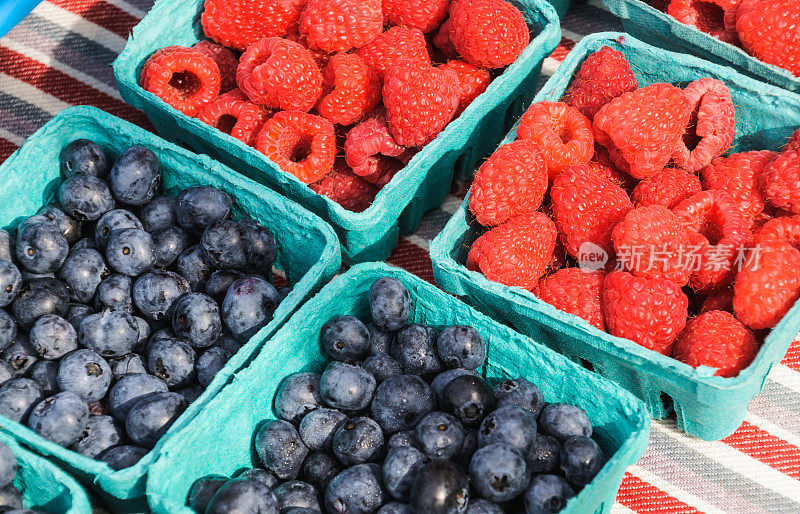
pixel 61 55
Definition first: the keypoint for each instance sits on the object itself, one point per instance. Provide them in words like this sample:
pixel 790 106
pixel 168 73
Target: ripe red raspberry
pixel 233 115
pixel 366 143
pixel 711 127
pixel 641 129
pixel 352 89
pixel 768 31
pixel 562 131
pixel 345 188
pixel 738 174
pixel 649 311
pixel 781 179
pixel 226 62
pixel 719 300
pixel 575 292
pixel 785 229
pixel 706 15
pixel 667 187
pixel 320 57
pixel 516 253
pixel 602 165
pixel 395 45
pixel 341 25
pixel 299 143
pixel 240 23
pixel 794 141
pixel 488 33
pixel 442 41
pixel 603 76
pixel 184 78
pixel 512 181
pixel 420 101
pixel 718 340
pixel 424 15
pixel 279 73
pixel 472 82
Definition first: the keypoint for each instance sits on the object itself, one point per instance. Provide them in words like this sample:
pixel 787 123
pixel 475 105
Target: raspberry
pixel 366 143
pixel 184 78
pixel 345 188
pixel 512 181
pixel 768 31
pixel 575 292
pixel 488 33
pixel 472 82
pixel 641 129
pixel 420 101
pixel 586 207
pixel 719 300
pixel 442 40
pixel 562 131
pixel 601 164
pixel 667 187
pixel 395 45
pixel 424 15
pixel 320 57
pixel 706 15
pixel 340 25
pixel 711 127
pixel 785 229
pixel 299 143
pixel 226 62
pixel 649 311
pixel 279 73
pixel 794 141
pixel 738 174
pixel 603 76
pixel 241 23
pixel 233 115
pixel 780 181
pixel 717 340
pixel 516 253
pixel 352 89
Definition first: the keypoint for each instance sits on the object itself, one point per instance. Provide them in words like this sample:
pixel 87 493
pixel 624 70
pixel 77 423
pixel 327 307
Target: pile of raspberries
pixel 339 93
pixel 766 29
pixel 597 209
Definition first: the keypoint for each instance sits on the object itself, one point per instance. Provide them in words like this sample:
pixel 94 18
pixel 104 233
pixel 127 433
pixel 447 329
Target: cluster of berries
pixel 401 422
pixel 87 280
pixel 610 170
pixel 305 82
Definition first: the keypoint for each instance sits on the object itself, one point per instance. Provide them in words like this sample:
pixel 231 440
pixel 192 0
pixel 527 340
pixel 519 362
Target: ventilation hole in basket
pixel 667 402
pixel 588 365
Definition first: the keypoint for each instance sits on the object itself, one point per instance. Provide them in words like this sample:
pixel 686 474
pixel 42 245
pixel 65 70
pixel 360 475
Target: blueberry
pixel 382 366
pixel 400 467
pixel 439 435
pixel 144 332
pixel 83 157
pixel 263 250
pixel 219 282
pixel 468 448
pixel 60 418
pixel 356 490
pixel 546 494
pixel 280 449
pixel 20 356
pixel 511 425
pixel 114 293
pixel 581 459
pixel 296 494
pixel 498 472
pixel 6 372
pixel 300 510
pixel 130 364
pixel 53 337
pixel 298 395
pixel 198 207
pixel 358 440
pixel 10 282
pixel 347 387
pixel 100 434
pixel 8 330
pixel 131 251
pixel 284 291
pixel 563 421
pixel 319 468
pixel 461 346
pixel 41 248
pixel 395 508
pixel 70 228
pixel 45 373
pixel 481 506
pixel 27 276
pixel 210 363
pixel 85 198
pixel 10 497
pixel 379 341
pixel 6 246
pixel 203 489
pixel 31 220
pixel 130 390
pixel 229 343
pixel 442 379
pixel 77 313
pixel 172 361
pixel 112 334
pixel 135 177
pixel 83 244
pixel 158 214
pixel 156 292
pixel 169 243
pixel 519 392
pixel 8 465
pixel 122 457
pixel 249 306
pixel 84 373
pixel 243 496
pixel 318 426
pixel 152 416
pixel 440 487
pixel 196 319
pixel 414 348
pixel 345 339
pixel 259 475
pixel 401 401
pixel 403 439
pixel 468 397
pixel 192 265
pixel 82 272
pixel 18 397
pixel 112 222
pixel 225 244
pixel 543 456
pixel 190 394
pixel 389 303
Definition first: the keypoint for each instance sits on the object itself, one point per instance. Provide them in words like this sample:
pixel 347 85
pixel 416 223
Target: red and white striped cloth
pixel 61 55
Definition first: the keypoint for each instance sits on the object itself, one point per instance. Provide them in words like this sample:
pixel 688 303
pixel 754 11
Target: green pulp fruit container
pixel 44 486
pixel 422 185
pixel 220 440
pixel 706 406
pixel 561 6
pixel 662 30
pixel 309 254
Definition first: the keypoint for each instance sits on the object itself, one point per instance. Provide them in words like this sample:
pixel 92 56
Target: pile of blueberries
pixel 84 284
pixel 10 496
pixel 401 422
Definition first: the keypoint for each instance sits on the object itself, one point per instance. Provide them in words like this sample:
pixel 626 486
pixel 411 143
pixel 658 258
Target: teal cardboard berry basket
pixel 422 185
pixel 660 29
pixel 44 486
pixel 706 406
pixel 621 423
pixel 309 254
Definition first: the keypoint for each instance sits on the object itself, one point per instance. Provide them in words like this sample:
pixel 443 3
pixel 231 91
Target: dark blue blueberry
pixel 481 506
pixel 31 220
pixel 53 337
pixel 131 251
pixel 225 244
pixel 202 490
pixel 169 243
pixel 130 390
pixel 156 292
pixel 60 418
pixel 401 401
pixel 198 207
pixel 135 177
pixel 259 475
pixel 8 330
pixel 298 395
pixel 347 387
pixel 45 373
pixel 356 490
pixel 130 364
pixel 6 373
pixel 403 439
pixel 10 282
pixel 519 392
pixel 245 497
pixel 27 276
pixel 468 448
pixel 439 435
pixel 296 494
pixel 77 313
pixel 83 157
pixel 112 222
pixel 345 339
pixel 219 282
pixel 318 426
pixel 543 456
pixel 379 340
pixel 41 248
pixel 209 364
pixel 280 449
pixel 82 272
pixel 192 265
pixel 151 417
pixel 498 472
pixel 263 250
pixel 389 303
pixel 400 467
pixel 158 214
pixel 511 425
pixel 358 440
pixel 112 334
pixel 395 508
pixel 284 291
pixel 249 306
pixel 414 348
pixel 581 459
pixel 172 361
pixel 86 374
pixel 300 510
pixel 6 246
pixel 468 397
pixel 229 343
pixel 20 356
pixel 382 366
pixel 547 494
pixel 562 421
pixel 10 497
pixel 122 457
pixel 196 320
pixel 440 487
pixel 190 394
pixel 442 379
pixel 461 346
pixel 319 468
pixel 85 198
pixel 69 227
pixel 100 434
pixel 114 293
pixel 144 332
pixel 84 243
pixel 8 465
pixel 18 397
